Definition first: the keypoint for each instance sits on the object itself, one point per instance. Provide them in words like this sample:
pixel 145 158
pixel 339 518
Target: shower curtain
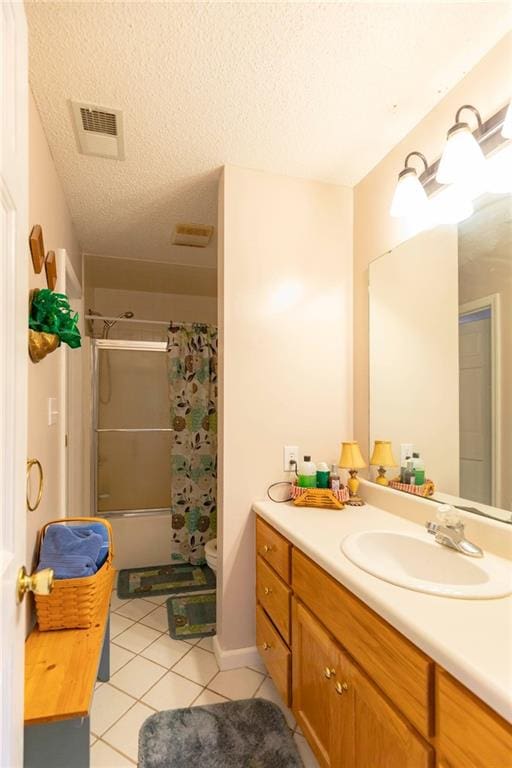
pixel 192 368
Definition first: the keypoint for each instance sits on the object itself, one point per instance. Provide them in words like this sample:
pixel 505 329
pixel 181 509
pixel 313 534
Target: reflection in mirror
pixel 441 357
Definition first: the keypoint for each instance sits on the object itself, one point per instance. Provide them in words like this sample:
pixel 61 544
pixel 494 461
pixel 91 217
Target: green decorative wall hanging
pixel 50 314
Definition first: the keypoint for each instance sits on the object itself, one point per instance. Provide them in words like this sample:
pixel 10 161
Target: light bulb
pixel 410 197
pixel 462 161
pixel 506 131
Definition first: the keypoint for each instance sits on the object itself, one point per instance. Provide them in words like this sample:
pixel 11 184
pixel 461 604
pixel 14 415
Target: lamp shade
pixel 462 160
pixel 410 197
pixel 382 454
pixel 350 456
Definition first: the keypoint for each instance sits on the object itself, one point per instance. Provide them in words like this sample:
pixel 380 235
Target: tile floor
pixel 149 671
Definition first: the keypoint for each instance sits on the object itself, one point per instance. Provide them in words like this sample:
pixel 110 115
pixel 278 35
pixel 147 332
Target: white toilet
pixel 210 551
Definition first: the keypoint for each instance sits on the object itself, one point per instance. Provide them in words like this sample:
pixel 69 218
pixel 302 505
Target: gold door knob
pixel 329 672
pixel 267 548
pixel 341 688
pixel 40 583
pixel 267 646
pixel 267 590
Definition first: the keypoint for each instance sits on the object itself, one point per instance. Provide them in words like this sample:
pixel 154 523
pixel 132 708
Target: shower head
pixel 108 324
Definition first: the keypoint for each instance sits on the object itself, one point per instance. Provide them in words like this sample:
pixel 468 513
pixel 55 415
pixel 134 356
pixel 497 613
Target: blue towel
pixel 102 530
pixel 69 566
pixel 70 554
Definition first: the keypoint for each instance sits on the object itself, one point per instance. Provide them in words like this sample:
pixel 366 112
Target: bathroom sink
pixel 417 562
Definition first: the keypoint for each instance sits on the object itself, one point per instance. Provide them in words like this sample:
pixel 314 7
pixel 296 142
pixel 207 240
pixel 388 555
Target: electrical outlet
pixel 290 454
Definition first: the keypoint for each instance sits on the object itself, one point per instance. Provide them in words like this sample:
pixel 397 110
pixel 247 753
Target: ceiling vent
pixel 195 235
pixel 98 130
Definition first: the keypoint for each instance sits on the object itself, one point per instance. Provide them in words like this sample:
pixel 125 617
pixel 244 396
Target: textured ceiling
pixel 317 90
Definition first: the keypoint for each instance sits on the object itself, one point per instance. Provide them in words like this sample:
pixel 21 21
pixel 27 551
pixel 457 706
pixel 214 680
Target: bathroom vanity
pixel 378 675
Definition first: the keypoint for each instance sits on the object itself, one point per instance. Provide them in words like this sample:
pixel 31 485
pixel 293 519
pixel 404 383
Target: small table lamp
pixel 352 460
pixel 382 457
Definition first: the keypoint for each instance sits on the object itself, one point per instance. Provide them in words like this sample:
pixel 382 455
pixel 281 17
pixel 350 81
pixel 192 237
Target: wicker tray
pixel 427 489
pixel 319 497
pixel 73 603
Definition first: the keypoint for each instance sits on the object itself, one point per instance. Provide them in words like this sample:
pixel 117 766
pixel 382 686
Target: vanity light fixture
pixel 506 131
pixel 410 198
pixel 463 161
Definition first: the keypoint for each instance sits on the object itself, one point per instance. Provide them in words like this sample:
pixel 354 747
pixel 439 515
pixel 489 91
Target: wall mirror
pixel 441 356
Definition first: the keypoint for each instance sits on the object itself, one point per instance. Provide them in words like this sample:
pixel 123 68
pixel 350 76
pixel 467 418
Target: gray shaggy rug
pixel 234 734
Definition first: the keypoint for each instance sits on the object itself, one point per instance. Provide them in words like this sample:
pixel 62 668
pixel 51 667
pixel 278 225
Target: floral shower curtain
pixel 192 368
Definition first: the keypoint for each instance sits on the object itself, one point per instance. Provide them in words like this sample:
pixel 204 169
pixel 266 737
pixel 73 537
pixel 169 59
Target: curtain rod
pixel 167 323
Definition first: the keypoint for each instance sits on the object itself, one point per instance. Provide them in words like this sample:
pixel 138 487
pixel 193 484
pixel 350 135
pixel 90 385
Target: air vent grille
pixel 195 235
pixel 95 121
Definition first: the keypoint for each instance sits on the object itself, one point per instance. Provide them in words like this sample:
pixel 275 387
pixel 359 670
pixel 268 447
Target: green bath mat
pixel 192 616
pixel 164 580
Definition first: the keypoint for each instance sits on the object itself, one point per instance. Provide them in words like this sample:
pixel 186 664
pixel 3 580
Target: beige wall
pixel 487 86
pixel 285 319
pixel 47 207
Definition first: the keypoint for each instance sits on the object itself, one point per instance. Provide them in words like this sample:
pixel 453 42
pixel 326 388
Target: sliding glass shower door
pixel 131 428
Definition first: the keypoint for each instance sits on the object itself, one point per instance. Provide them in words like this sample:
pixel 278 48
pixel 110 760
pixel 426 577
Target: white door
pixel 475 391
pixel 13 369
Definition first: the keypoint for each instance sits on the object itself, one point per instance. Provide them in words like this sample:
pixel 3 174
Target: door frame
pixel 71 398
pixel 492 302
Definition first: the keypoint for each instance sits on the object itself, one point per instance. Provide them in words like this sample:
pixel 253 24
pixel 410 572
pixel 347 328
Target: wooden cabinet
pixel 273 548
pixel 469 734
pixel 275 654
pixel 324 716
pixel 395 664
pixel 362 693
pixel 346 719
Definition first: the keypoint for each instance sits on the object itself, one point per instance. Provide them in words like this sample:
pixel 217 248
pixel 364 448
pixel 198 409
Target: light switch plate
pixel 53 412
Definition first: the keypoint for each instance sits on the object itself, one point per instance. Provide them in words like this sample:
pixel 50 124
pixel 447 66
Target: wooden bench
pixel 61 669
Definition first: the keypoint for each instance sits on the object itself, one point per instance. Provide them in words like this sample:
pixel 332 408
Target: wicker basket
pixel 73 603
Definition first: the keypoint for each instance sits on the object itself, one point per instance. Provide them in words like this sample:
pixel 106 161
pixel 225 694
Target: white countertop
pixel 471 639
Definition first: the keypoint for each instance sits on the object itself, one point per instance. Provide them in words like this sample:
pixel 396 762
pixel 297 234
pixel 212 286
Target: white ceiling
pixel 317 90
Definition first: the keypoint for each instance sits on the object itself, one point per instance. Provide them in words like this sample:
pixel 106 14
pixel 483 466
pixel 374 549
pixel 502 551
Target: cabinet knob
pixel 267 646
pixel 267 590
pixel 267 548
pixel 329 672
pixel 341 688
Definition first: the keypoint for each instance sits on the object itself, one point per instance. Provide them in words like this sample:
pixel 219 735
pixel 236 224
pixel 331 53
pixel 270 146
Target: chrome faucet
pixel 450 532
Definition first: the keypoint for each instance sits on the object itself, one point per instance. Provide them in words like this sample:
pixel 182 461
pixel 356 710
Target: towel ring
pixel 31 463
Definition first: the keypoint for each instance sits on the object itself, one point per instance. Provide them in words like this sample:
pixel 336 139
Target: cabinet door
pixel 324 716
pixel 382 737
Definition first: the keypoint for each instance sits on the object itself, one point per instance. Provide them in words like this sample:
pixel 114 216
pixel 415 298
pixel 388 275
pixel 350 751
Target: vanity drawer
pixel 274 596
pixel 469 733
pixel 275 654
pixel 273 548
pixel 402 672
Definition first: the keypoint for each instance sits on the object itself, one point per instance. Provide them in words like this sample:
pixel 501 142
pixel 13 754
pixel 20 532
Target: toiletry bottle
pixel 419 469
pixel 406 450
pixel 403 468
pixel 322 475
pixel 409 473
pixel 307 474
pixel 334 479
